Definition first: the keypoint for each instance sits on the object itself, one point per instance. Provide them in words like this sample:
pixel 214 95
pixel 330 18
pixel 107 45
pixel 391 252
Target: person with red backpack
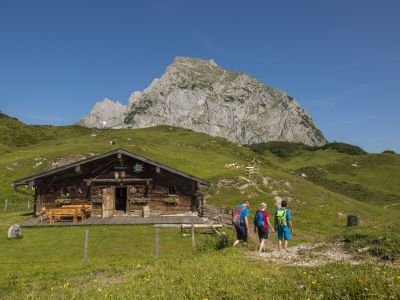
pixel 240 222
pixel 261 224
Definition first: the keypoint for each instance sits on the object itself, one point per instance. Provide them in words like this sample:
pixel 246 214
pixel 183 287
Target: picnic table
pixel 72 211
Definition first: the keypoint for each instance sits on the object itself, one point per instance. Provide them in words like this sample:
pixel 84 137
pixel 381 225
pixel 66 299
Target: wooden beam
pixel 103 166
pixel 118 180
pixel 78 169
pixel 54 178
pixel 185 226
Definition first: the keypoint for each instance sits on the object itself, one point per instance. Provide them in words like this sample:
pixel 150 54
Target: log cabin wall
pixel 78 194
pixel 163 191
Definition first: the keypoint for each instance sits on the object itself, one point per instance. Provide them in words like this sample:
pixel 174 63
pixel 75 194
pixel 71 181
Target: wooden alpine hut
pixel 116 183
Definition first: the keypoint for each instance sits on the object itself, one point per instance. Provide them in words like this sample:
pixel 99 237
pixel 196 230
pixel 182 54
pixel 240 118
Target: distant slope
pixel 14 133
pixel 367 177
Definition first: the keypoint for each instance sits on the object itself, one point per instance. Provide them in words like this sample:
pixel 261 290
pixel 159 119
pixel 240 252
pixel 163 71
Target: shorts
pixel 262 233
pixel 241 233
pixel 283 233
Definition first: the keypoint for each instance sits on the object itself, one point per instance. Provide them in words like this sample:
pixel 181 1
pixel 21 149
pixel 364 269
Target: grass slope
pixel 206 156
pixel 120 257
pixel 14 133
pixel 369 177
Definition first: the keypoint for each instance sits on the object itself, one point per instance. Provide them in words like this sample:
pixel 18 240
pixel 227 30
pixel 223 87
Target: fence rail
pixel 7 205
pixel 219 215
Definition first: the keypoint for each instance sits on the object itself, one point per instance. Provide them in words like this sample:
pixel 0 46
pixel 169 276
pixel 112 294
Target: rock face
pixel 199 95
pixel 106 114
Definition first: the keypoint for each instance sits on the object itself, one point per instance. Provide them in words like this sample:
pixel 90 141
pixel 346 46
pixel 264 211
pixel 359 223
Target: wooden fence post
pixel 85 255
pixel 156 242
pixel 5 205
pixel 193 239
pixel 29 204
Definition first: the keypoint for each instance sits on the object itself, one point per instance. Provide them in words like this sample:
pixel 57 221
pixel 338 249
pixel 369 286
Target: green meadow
pixel 322 186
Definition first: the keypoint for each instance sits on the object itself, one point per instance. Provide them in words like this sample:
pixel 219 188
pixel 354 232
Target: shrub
pixel 216 242
pixel 344 148
pixel 389 151
pixel 288 149
pixel 381 242
pixel 281 149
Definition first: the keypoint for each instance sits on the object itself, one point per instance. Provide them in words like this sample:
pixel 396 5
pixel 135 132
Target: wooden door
pixel 108 202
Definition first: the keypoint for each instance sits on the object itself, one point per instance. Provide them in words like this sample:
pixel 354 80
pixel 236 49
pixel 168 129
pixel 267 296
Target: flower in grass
pixel 314 282
pixel 65 286
pixel 304 273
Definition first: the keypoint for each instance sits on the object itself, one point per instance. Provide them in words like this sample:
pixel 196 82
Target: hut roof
pixel 27 180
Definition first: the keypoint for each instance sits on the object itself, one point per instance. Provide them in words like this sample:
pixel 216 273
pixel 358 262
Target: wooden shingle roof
pixel 27 180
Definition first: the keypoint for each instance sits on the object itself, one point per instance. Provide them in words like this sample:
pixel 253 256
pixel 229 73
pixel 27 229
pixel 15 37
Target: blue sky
pixel 339 59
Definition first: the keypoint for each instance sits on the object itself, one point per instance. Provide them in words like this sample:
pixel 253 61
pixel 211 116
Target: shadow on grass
pixel 27 214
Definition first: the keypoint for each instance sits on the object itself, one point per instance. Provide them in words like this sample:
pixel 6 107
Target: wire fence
pixel 93 246
pixel 8 205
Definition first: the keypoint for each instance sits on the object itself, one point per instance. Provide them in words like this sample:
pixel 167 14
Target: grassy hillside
pixel 46 263
pixel 370 177
pixel 332 188
pixel 14 133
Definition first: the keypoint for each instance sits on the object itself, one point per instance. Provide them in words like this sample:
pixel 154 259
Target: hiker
pixel 261 224
pixel 283 225
pixel 241 222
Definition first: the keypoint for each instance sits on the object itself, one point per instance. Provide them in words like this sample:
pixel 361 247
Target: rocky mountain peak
pixel 106 114
pixel 199 95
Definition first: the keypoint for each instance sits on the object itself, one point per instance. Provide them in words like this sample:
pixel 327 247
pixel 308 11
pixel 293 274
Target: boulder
pixel 14 232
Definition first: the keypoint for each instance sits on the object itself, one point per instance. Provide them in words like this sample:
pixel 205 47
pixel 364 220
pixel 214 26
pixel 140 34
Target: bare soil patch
pixel 310 255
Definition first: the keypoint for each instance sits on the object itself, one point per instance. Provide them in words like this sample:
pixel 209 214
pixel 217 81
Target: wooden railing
pixel 220 215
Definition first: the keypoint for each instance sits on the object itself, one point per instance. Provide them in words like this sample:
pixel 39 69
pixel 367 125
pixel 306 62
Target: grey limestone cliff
pixel 198 95
pixel 106 114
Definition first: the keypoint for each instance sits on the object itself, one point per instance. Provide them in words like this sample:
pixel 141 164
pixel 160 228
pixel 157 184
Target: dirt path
pixel 309 255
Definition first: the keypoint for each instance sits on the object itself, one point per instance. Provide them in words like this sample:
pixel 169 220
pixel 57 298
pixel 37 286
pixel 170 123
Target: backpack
pixel 281 217
pixel 259 221
pixel 236 215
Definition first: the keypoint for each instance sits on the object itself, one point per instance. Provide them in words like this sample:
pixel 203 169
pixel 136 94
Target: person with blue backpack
pixel 241 223
pixel 261 225
pixel 283 225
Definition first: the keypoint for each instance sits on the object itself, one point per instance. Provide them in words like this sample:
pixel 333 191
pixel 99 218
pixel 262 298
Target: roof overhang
pixel 30 180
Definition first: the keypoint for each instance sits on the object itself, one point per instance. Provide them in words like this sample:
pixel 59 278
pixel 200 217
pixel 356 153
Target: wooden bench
pixel 62 212
pixel 86 208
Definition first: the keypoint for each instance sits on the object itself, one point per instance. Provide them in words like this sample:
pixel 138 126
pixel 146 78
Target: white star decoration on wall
pixel 138 168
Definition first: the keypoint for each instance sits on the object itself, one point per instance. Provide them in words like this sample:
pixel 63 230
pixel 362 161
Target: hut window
pixel 64 192
pixel 171 190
